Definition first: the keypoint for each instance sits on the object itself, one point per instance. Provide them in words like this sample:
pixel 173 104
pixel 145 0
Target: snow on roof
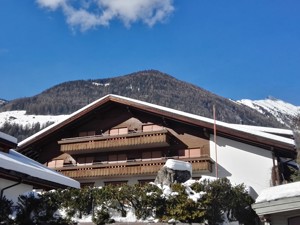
pixel 17 162
pixel 8 137
pixel 211 121
pixel 268 129
pixel 246 129
pixel 178 165
pixel 279 192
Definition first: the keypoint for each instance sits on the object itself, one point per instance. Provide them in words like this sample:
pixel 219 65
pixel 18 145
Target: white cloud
pixel 51 4
pixel 87 14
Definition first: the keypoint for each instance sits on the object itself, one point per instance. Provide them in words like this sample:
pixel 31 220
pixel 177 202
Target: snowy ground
pixel 24 120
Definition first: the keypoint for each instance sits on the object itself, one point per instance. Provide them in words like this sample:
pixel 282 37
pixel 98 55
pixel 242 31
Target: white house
pixel 20 174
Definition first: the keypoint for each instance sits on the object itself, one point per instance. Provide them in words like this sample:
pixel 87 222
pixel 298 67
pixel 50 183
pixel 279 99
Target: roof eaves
pixel 157 109
pixel 253 134
pixel 56 126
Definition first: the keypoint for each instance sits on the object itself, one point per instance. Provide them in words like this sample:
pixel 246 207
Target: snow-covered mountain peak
pixel 283 111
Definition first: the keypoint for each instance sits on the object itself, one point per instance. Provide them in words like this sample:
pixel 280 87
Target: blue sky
pixel 236 49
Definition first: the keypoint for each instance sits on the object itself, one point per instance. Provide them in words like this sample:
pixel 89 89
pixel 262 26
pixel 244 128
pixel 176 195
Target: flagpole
pixel 215 140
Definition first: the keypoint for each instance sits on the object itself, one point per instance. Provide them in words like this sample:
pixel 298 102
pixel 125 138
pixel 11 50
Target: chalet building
pixel 19 174
pixel 121 140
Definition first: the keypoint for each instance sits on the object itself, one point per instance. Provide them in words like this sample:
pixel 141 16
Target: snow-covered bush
pixel 223 201
pixel 201 201
pixel 76 202
pixel 101 217
pixel 182 208
pixel 5 210
pixel 33 208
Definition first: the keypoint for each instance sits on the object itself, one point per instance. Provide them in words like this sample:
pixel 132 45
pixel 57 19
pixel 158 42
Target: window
pixel 171 153
pixel 119 131
pixel 81 160
pixel 85 160
pixel 115 183
pixel 100 159
pixel 113 158
pixel 156 155
pixel 87 133
pixel 85 185
pixel 137 155
pixel 146 181
pixel 294 220
pixel 146 155
pixel 151 127
pixel 123 130
pixel 195 152
pixel 184 153
pixel 56 163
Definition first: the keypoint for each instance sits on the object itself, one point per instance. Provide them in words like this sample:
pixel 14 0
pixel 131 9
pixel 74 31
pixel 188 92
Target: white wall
pixel 14 192
pixel 242 163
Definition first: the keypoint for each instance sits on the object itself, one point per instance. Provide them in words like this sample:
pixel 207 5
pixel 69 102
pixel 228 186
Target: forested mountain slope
pixel 150 86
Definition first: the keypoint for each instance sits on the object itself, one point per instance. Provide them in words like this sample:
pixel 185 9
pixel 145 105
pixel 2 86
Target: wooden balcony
pixel 129 168
pixel 99 143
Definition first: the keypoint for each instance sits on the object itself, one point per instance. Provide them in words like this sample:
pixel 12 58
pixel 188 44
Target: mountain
pixel 284 112
pixel 151 86
pixel 3 102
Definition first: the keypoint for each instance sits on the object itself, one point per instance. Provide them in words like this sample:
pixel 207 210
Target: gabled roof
pixel 15 166
pixel 256 136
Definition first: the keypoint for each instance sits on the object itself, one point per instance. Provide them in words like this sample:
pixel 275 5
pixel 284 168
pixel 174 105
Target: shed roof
pixel 277 199
pixel 15 166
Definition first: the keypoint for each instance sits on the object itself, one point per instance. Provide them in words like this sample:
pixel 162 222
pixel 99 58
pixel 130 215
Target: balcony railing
pixel 91 144
pixel 129 168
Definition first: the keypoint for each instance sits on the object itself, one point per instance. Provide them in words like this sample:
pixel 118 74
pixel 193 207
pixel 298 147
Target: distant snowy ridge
pixel 22 119
pixel 284 112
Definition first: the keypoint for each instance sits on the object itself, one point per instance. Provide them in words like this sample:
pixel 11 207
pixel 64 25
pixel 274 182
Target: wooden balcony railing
pixel 129 168
pixel 96 143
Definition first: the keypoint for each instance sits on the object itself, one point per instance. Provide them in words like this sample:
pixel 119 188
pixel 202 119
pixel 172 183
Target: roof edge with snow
pixel 8 138
pixel 258 133
pixel 16 166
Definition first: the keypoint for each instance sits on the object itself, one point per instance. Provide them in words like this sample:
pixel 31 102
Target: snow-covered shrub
pixel 28 208
pixel 74 202
pixel 209 201
pixel 33 208
pixel 225 201
pixel 5 210
pixel 145 199
pixel 182 208
pixel 101 217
